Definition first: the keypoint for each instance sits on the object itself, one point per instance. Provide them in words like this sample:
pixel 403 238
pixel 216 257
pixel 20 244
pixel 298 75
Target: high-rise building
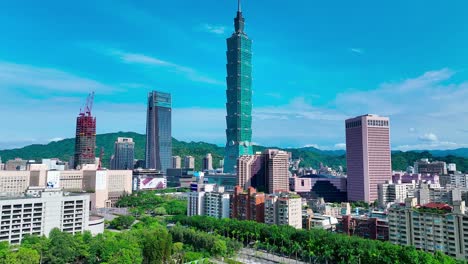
pixel 278 170
pixel 85 139
pixel 248 205
pixel 189 162
pixel 283 209
pixel 158 131
pixel 367 155
pixel 239 95
pixel 208 162
pixel 176 162
pixel 210 200
pixel 124 154
pixel 267 171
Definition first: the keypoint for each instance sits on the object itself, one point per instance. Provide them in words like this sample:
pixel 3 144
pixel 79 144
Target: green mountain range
pixel 310 156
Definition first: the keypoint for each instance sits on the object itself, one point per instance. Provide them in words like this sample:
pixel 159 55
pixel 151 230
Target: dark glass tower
pixel 239 94
pixel 158 153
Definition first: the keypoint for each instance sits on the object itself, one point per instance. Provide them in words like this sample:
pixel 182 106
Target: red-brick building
pixel 248 205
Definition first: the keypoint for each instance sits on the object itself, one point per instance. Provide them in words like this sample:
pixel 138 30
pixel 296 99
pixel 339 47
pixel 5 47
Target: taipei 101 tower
pixel 239 94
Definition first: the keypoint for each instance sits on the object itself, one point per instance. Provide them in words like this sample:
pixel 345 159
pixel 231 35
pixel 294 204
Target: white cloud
pixel 56 139
pixel 430 137
pixel 340 145
pixel 13 75
pixel 311 145
pixel 146 60
pixel 215 29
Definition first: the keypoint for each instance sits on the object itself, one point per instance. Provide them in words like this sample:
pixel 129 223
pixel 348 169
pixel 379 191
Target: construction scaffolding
pixel 85 140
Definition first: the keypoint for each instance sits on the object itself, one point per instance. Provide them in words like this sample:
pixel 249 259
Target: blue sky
pixel 315 64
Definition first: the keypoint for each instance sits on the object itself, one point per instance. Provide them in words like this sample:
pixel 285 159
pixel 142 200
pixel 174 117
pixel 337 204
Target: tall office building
pixel 124 154
pixel 267 171
pixel 208 162
pixel 368 156
pixel 85 139
pixel 189 162
pixel 239 95
pixel 158 131
pixel 176 162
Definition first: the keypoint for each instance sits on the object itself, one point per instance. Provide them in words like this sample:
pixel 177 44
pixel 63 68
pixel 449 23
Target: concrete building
pixel 247 205
pixel 16 164
pixel 283 209
pixel 364 226
pixel 427 167
pixel 300 185
pixel 159 131
pixel 105 186
pixel 195 204
pixel 189 162
pixel 41 210
pixel 368 156
pixel 216 204
pixel 207 163
pixel 55 164
pixel 211 200
pixel 394 192
pixel 431 227
pixel 333 189
pixel 278 170
pixel 459 180
pixel 176 162
pixel 326 222
pixel 268 171
pixel 14 183
pixel 251 171
pixel 124 154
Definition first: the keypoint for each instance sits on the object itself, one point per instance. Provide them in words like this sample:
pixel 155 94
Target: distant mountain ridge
pixel 310 156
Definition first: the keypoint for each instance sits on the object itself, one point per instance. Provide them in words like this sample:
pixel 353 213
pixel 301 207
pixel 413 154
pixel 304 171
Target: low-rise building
pixel 431 227
pixel 364 226
pixel 106 186
pixel 41 210
pixel 148 179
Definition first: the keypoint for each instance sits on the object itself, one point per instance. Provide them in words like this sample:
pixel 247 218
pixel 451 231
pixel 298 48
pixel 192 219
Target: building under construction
pixel 85 140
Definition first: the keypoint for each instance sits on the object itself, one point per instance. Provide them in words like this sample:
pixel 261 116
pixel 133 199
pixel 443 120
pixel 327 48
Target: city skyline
pixel 423 95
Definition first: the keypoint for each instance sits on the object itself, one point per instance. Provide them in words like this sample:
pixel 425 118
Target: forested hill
pixel 64 149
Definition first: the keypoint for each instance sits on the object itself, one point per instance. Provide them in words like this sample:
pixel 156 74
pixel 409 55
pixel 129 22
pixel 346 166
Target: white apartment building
pixel 216 204
pixel 41 210
pixel 394 192
pixel 284 209
pixel 211 201
pixel 432 227
pixel 195 203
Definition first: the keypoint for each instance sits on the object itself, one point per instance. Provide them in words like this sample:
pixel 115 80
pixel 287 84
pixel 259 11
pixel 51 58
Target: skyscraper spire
pixel 239 20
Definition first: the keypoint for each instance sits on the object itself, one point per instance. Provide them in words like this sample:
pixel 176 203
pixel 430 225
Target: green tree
pixel 23 256
pixel 157 246
pixel 122 222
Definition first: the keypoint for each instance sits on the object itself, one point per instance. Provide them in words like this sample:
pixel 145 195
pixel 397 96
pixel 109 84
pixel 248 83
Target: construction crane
pixel 89 105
